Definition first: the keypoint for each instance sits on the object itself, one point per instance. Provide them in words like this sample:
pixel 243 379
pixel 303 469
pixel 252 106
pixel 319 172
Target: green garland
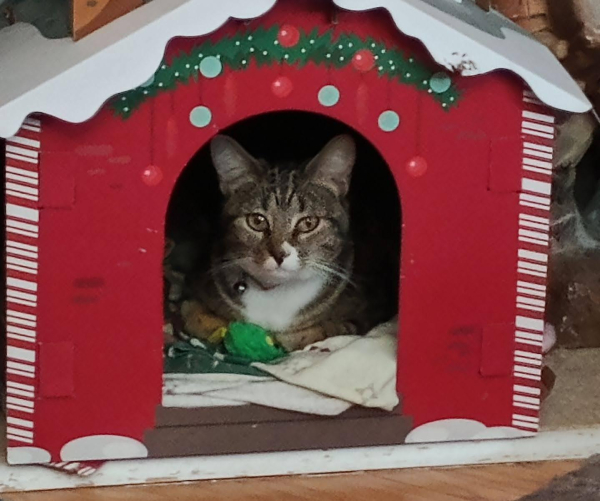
pixel 262 47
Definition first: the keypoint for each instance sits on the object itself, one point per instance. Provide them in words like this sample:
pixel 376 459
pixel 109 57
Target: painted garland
pixel 289 45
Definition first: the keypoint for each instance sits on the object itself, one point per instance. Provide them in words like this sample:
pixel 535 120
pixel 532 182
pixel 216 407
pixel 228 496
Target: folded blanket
pixel 356 369
pixel 325 378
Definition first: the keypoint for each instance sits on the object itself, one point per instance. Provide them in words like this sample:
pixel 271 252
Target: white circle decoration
pixel 200 117
pixel 389 121
pixel 211 67
pixel 329 96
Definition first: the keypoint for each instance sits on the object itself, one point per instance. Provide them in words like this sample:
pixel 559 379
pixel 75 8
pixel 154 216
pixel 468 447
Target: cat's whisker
pixel 332 271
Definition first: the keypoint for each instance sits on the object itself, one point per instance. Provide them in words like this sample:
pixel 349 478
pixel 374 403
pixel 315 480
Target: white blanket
pixel 325 378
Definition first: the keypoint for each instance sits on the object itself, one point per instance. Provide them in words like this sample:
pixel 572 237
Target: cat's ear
pixel 234 165
pixel 332 167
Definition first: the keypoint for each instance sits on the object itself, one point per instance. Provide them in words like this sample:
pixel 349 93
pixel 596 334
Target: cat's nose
pixel 279 256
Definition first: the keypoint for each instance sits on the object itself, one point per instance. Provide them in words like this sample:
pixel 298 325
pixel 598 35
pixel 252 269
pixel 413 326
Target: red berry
pixel 282 87
pixel 152 175
pixel 416 166
pixel 363 60
pixel 288 36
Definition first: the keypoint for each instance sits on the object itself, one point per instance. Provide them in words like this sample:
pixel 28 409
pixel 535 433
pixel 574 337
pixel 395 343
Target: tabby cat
pixel 283 256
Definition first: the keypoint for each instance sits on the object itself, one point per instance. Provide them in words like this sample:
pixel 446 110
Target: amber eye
pixel 308 224
pixel 257 222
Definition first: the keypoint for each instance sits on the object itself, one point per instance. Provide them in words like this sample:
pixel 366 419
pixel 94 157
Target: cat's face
pixel 283 223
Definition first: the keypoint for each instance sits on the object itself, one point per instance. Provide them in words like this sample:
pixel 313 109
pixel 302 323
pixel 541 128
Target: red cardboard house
pixel 460 104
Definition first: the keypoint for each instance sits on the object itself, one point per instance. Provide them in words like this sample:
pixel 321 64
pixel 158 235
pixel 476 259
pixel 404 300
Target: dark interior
pixel 375 206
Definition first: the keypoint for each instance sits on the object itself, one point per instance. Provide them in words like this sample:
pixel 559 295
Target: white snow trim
pixel 72 80
pixel 27 455
pixel 103 447
pixel 458 45
pixel 456 430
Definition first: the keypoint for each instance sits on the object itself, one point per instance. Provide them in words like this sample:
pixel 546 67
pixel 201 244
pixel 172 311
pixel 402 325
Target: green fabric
pixel 262 47
pixel 200 358
pixel 251 342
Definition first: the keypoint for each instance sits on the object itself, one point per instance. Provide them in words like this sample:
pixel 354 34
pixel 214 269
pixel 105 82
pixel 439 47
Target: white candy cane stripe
pixel 526 221
pixel 22 254
pixel 528 419
pixel 17 171
pixel 25 141
pixel 533 235
pixel 17 438
pixel 535 123
pixel 82 470
pixel 526 390
pixel 526 424
pixel 15 248
pixel 21 423
pixel 21 179
pixel 18 392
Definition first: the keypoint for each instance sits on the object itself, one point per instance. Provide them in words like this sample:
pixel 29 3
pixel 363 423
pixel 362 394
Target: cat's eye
pixel 308 224
pixel 257 222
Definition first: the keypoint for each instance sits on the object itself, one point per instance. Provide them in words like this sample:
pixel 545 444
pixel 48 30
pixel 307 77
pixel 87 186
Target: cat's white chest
pixel 276 309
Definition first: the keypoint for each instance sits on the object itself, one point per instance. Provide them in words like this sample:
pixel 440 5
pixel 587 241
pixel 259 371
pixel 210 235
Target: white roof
pixel 72 80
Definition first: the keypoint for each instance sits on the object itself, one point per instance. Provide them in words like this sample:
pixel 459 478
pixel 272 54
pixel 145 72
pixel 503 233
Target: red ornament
pixel 416 166
pixel 282 87
pixel 363 60
pixel 152 175
pixel 288 36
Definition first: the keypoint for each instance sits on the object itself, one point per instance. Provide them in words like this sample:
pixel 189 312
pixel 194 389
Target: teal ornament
pixel 149 82
pixel 389 121
pixel 440 82
pixel 200 117
pixel 329 96
pixel 211 67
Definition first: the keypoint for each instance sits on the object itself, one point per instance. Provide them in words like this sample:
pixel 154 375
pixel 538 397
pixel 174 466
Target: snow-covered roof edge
pixel 72 80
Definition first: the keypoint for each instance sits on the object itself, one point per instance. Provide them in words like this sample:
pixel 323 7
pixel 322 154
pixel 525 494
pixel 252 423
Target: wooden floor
pixel 482 483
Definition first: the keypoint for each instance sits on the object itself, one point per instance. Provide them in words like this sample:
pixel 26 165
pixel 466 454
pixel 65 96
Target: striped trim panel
pixel 81 469
pixel 537 131
pixel 22 232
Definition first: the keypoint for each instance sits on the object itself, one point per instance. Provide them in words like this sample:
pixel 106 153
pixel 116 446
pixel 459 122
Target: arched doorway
pixel 192 221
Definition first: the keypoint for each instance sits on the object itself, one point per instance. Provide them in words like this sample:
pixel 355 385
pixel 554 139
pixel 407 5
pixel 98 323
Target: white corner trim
pixel 550 445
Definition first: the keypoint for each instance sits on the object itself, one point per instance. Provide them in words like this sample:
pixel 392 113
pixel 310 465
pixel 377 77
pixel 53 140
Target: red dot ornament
pixel 282 87
pixel 416 166
pixel 363 60
pixel 152 175
pixel 288 36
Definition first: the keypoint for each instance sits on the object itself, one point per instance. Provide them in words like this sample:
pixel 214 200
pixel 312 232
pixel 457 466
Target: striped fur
pixel 299 277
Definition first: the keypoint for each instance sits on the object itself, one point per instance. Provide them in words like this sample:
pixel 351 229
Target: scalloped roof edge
pixel 72 80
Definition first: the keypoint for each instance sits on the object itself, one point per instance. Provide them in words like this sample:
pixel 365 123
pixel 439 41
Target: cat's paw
pixel 298 340
pixel 198 322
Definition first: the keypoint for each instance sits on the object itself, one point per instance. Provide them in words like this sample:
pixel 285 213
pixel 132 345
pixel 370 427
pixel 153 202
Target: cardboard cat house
pixel 458 102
